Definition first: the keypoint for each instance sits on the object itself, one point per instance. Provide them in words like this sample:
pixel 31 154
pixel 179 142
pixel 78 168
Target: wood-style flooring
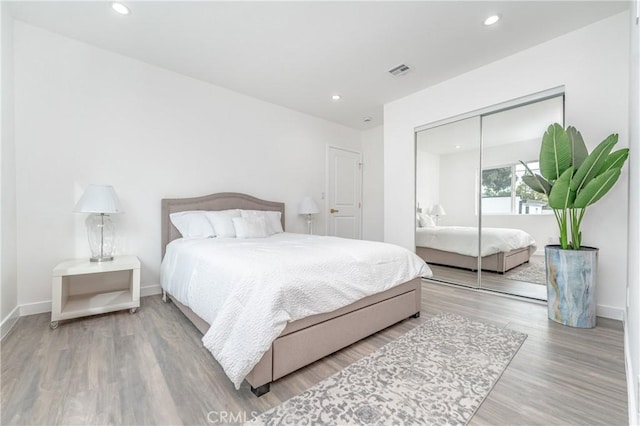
pixel 151 368
pixel 493 281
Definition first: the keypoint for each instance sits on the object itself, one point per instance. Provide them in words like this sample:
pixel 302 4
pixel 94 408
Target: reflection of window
pixel 504 192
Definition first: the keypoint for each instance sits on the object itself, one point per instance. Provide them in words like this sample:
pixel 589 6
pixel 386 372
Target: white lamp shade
pixel 308 206
pixel 438 210
pixel 98 199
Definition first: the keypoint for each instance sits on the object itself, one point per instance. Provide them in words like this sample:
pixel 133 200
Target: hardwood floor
pixel 151 368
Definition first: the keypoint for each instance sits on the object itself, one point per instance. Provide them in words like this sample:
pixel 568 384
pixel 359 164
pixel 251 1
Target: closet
pixel 477 224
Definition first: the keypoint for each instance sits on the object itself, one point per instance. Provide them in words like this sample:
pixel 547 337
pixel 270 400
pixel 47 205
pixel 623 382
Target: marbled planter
pixel 571 285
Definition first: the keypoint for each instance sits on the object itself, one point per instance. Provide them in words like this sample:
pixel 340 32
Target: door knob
pixel 333 211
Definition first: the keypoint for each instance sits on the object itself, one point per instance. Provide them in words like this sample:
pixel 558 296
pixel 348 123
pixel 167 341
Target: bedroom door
pixel 344 206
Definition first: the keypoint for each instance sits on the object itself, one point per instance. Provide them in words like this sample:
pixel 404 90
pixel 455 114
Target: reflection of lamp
pixel 100 200
pixel 308 207
pixel 436 211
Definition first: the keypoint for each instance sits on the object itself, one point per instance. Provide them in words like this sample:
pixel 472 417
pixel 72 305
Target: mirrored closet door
pixel 477 224
pixel 447 158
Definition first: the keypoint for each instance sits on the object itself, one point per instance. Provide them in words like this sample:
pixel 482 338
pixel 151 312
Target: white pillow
pixel 193 224
pixel 222 223
pixel 426 221
pixel 272 219
pixel 250 227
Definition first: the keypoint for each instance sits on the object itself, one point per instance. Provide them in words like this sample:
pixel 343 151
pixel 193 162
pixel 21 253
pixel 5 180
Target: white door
pixel 344 193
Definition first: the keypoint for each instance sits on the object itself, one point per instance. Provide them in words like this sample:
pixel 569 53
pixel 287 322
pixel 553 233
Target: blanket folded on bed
pixel 249 289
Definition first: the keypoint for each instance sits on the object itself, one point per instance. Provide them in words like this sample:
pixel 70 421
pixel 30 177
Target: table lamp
pixel 437 211
pixel 308 207
pixel 100 201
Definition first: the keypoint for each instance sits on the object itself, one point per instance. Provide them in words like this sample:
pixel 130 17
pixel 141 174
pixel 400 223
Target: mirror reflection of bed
pixel 517 271
pixel 477 225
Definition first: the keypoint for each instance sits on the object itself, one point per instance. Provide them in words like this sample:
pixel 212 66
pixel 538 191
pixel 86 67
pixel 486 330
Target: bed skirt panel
pixel 499 262
pixel 310 339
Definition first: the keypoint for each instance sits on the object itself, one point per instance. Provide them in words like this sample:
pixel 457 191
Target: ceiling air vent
pixel 399 70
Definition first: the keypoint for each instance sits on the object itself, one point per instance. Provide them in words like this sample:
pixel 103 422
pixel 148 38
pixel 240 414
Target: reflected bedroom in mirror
pixel 477 224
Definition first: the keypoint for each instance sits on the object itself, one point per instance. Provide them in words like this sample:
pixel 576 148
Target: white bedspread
pixel 464 240
pixel 249 289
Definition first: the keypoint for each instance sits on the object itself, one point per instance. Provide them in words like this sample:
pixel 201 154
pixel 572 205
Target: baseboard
pixel 604 311
pixel 35 308
pixel 611 312
pixel 150 290
pixel 43 307
pixel 632 398
pixel 9 322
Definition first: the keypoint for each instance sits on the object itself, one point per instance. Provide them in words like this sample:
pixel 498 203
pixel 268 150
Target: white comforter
pixel 464 240
pixel 249 289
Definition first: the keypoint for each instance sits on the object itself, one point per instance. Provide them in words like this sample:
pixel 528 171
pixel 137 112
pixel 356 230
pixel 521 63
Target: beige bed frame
pixel 499 262
pixel 309 339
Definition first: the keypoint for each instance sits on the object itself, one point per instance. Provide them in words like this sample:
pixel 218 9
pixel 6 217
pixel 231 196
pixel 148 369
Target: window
pixel 504 192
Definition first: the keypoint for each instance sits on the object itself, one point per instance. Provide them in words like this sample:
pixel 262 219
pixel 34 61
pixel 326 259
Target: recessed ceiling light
pixel 120 8
pixel 491 20
pixel 336 97
pixel 458 146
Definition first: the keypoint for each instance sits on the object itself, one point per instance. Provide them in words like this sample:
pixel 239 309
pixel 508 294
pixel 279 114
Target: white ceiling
pixel 297 54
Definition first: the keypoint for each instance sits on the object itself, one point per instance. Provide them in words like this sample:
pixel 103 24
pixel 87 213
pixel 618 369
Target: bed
pixel 304 340
pixel 457 246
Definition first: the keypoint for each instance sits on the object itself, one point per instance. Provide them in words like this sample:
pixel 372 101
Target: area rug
pixel 437 373
pixel 533 272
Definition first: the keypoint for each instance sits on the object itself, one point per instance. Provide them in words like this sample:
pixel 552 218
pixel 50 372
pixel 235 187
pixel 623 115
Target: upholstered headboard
pixel 213 202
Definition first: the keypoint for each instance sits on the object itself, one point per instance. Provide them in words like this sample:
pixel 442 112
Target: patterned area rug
pixel 438 373
pixel 533 272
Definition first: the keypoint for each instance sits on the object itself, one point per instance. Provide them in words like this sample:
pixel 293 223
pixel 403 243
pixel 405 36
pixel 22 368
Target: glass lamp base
pixel 309 224
pixel 101 234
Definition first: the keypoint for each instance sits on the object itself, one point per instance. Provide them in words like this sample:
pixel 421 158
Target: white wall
pixel 373 184
pixel 632 325
pixel 85 115
pixel 592 65
pixel 8 262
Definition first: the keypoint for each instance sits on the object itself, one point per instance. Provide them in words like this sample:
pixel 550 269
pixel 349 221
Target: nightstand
pixel 81 288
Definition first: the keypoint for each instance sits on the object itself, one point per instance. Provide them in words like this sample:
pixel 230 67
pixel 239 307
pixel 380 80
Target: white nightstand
pixel 82 288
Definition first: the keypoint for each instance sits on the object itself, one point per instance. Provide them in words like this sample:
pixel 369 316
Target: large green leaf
pixel 615 160
pixel 596 189
pixel 578 149
pixel 555 152
pixel 561 196
pixel 593 164
pixel 537 183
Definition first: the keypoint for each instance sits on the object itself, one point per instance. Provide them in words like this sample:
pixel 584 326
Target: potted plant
pixel 572 179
